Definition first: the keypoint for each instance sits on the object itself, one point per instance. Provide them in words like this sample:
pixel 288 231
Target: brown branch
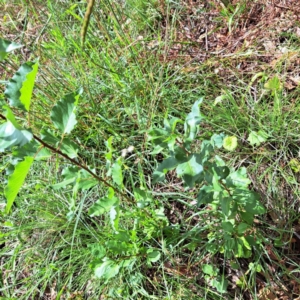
pixel 73 161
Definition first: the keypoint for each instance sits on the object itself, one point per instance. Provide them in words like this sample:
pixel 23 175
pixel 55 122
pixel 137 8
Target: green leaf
pixel 206 195
pixel 11 136
pixel 247 217
pixel 220 283
pixel 48 137
pixel 217 140
pixel 97 250
pixel 142 197
pixel 16 180
pixel 63 183
pixel 227 226
pixel 230 143
pixel 238 178
pixel 192 121
pixel 225 205
pixel 245 243
pixel 256 138
pixel 70 172
pixel 222 171
pixel 209 270
pixel 33 149
pixel 273 84
pixel 295 165
pixel 19 89
pixel 107 270
pixel 27 87
pixel 190 171
pixel 72 175
pixel 114 214
pixel 255 208
pixel 109 146
pixel 206 151
pixel 116 172
pixel 230 244
pixel 242 227
pixel 167 165
pixel 6 47
pixel 104 204
pixel 11 117
pixel 243 248
pixel 153 256
pixel 157 135
pixel 69 148
pixel 171 125
pixel 63 113
pixel 66 146
pixel 87 181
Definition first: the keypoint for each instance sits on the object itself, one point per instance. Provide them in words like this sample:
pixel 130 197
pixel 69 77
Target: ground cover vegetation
pixel 152 153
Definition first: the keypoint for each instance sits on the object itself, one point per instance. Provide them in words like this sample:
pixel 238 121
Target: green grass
pixel 128 87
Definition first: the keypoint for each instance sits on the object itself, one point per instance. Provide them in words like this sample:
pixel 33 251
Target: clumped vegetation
pixel 151 152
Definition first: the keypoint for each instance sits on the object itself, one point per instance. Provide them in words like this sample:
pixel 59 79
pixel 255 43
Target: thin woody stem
pixel 73 161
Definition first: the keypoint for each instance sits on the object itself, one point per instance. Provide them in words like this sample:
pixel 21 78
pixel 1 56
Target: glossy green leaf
pixel 243 248
pixel 16 180
pixel 206 151
pixel 216 183
pixel 245 242
pixel 222 172
pixel 19 89
pixel 6 47
pixel 11 136
pixel 63 113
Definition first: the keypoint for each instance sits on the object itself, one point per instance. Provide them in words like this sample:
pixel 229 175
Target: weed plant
pixel 89 221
